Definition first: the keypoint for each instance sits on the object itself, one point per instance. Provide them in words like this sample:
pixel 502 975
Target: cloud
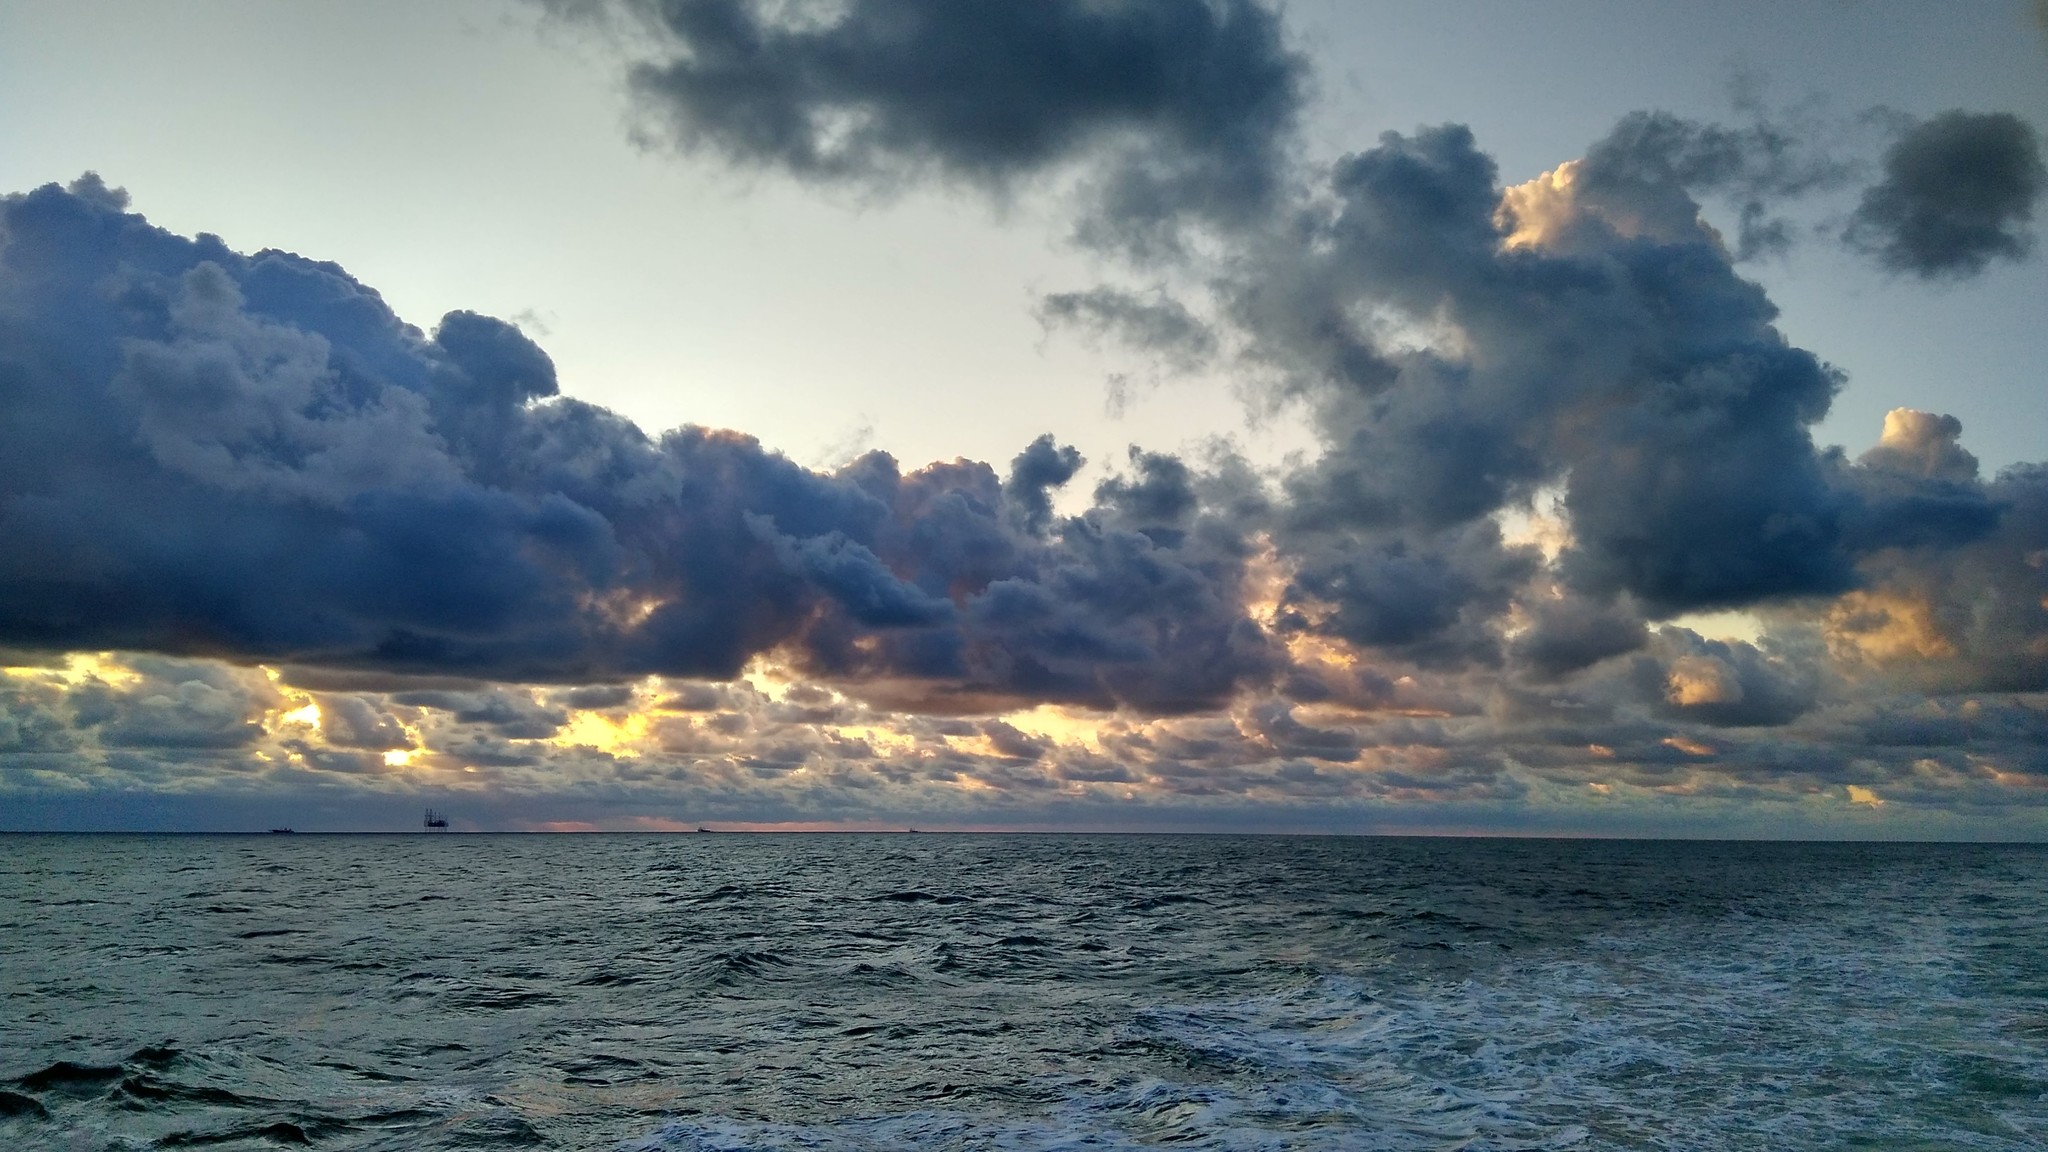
pixel 1954 193
pixel 207 453
pixel 176 705
pixel 389 506
pixel 1728 683
pixel 599 696
pixel 469 582
pixel 1154 323
pixel 31 720
pixel 1044 465
pixel 362 722
pixel 1961 616
pixel 1682 720
pixel 1629 365
pixel 1924 445
pixel 1175 112
pixel 1569 634
pixel 1650 169
pixel 1958 193
pixel 1458 345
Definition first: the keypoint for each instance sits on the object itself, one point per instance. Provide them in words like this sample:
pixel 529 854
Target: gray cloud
pixel 1660 164
pixel 251 457
pixel 1569 634
pixel 598 696
pixel 1608 348
pixel 1588 331
pixel 175 704
pixel 213 454
pixel 508 713
pixel 386 503
pixel 1966 616
pixel 31 720
pixel 361 722
pixel 1958 193
pixel 1726 684
pixel 1176 112
pixel 1684 721
pixel 1621 357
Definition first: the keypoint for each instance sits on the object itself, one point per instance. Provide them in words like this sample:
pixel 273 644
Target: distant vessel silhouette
pixel 280 831
pixel 436 821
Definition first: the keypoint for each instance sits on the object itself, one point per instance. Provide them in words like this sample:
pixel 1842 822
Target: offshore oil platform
pixel 436 821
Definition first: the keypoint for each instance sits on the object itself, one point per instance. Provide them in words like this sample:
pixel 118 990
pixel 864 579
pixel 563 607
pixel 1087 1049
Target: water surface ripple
pixel 857 992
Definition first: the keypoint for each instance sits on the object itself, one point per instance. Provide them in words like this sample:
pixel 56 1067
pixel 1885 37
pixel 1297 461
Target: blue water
pixel 963 993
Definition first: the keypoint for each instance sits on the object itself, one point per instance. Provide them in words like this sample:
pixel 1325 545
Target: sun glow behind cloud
pixel 1535 213
pixel 627 735
pixel 1560 533
pixel 939 771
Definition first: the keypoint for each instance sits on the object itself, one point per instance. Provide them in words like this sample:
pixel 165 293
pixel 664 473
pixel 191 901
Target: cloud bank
pixel 265 538
pixel 250 457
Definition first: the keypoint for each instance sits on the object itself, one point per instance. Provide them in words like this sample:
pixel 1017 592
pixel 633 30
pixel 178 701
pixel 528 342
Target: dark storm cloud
pixel 1617 354
pixel 1958 192
pixel 1968 616
pixel 1621 357
pixel 1461 350
pixel 598 696
pixel 1137 601
pixel 1430 598
pixel 1157 499
pixel 251 457
pixel 1177 110
pixel 1589 332
pixel 208 453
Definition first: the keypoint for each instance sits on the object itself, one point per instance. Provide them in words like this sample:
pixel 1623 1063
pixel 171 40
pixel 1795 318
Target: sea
pixel 975 993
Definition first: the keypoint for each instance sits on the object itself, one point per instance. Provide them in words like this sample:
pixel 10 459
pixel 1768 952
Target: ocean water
pixel 854 992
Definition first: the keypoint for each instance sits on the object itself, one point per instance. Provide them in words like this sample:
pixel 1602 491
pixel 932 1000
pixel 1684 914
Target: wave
pixel 1793 998
pixel 1737 1032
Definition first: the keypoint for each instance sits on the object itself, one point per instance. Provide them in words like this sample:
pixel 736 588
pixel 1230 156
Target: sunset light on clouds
pixel 1261 453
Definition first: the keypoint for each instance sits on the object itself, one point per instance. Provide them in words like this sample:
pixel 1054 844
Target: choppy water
pixel 729 992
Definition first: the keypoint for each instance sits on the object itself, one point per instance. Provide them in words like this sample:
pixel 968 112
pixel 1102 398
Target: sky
pixel 1583 418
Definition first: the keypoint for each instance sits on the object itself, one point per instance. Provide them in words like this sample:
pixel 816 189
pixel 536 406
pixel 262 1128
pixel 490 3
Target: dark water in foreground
pixel 1018 992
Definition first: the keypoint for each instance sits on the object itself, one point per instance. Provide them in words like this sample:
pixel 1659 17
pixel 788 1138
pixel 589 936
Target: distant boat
pixel 703 829
pixel 436 822
pixel 280 831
